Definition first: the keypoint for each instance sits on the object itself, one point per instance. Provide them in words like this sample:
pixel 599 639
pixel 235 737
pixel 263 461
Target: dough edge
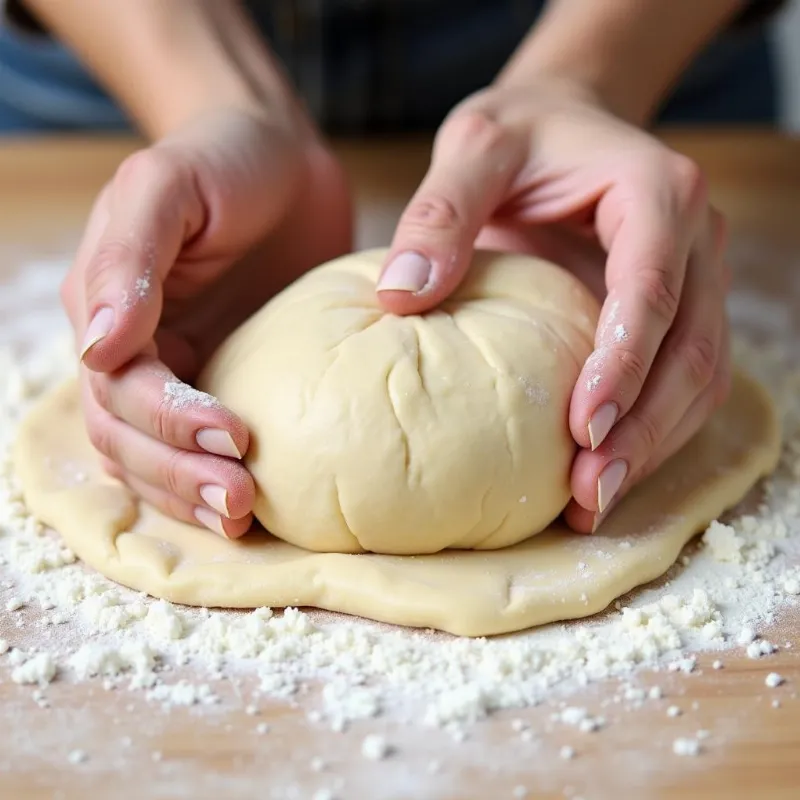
pixel 476 593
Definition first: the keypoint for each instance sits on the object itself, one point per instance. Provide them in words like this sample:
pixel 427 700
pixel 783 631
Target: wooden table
pixel 46 188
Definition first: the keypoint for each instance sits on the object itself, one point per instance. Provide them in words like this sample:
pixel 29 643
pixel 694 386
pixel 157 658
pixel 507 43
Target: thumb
pixel 152 209
pixel 474 163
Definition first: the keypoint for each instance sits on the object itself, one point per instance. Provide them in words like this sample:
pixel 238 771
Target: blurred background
pixel 786 30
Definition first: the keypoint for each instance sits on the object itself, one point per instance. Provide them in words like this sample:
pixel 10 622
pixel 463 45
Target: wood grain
pixel 46 188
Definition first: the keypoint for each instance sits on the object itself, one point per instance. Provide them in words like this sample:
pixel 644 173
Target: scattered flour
pixel 724 543
pixel 39 668
pixel 77 757
pixel 686 747
pixel 567 753
pixel 725 595
pixel 773 680
pixel 375 747
pixel 181 395
pixel 369 669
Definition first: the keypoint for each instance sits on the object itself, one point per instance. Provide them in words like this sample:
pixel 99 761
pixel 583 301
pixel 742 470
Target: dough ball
pixel 409 435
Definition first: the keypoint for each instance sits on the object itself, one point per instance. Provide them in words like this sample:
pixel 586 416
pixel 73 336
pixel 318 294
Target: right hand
pixel 190 237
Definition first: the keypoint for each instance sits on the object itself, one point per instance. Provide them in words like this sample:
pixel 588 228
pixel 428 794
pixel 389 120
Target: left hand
pixel 546 169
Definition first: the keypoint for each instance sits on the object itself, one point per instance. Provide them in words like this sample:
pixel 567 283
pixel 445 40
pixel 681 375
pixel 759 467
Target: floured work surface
pixel 194 704
pixel 553 576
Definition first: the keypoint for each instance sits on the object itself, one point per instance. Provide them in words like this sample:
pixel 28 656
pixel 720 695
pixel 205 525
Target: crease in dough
pixel 415 416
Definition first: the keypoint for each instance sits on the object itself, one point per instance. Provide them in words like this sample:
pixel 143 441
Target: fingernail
pixel 407 272
pixel 218 442
pixel 211 520
pixel 608 483
pixel 601 423
pixel 216 497
pixel 99 328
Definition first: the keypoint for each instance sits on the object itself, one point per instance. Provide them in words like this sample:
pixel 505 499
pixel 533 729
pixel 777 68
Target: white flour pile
pixel 69 624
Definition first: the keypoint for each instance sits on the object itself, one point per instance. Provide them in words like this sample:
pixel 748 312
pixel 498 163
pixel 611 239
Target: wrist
pixel 592 86
pixel 627 54
pixel 208 77
pixel 189 99
pixel 168 63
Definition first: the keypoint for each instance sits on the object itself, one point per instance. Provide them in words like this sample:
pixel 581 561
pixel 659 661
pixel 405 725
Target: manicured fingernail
pixel 601 423
pixel 407 272
pixel 99 328
pixel 216 497
pixel 218 442
pixel 211 520
pixel 608 483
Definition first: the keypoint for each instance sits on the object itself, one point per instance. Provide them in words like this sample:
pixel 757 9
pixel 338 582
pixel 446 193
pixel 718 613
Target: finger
pixel 201 480
pixel 147 396
pixel 474 162
pixel 583 520
pixel 684 367
pixel 177 508
pixel 648 244
pixel 72 285
pixel 589 520
pixel 152 209
pixel 682 371
pixel 582 513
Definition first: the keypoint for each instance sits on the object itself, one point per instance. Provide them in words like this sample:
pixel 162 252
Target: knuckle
pixel 659 296
pixel 632 366
pixel 172 471
pixel 476 131
pixel 143 168
pixel 689 181
pixel 433 212
pixel 645 433
pixel 106 260
pixel 164 420
pixel 699 355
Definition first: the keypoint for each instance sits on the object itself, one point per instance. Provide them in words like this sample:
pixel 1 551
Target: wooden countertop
pixel 46 188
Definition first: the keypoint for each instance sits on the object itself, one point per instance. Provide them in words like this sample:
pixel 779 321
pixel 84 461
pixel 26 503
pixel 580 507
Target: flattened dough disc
pixel 471 593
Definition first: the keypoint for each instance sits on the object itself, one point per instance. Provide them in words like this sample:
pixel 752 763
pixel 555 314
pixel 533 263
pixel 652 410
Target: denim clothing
pixel 381 66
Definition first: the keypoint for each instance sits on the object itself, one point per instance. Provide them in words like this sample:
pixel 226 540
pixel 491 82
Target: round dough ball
pixel 409 435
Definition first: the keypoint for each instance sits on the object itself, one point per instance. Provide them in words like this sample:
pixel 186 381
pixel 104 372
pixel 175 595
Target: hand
pixel 190 237
pixel 547 170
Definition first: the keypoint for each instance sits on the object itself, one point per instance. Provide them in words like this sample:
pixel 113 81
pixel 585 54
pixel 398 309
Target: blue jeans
pixel 363 73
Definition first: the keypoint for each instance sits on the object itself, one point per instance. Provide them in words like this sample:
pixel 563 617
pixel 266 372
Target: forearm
pixel 168 62
pixel 627 52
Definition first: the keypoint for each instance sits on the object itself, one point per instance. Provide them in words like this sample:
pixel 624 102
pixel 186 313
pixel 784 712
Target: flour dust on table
pixel 74 625
pixel 395 464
